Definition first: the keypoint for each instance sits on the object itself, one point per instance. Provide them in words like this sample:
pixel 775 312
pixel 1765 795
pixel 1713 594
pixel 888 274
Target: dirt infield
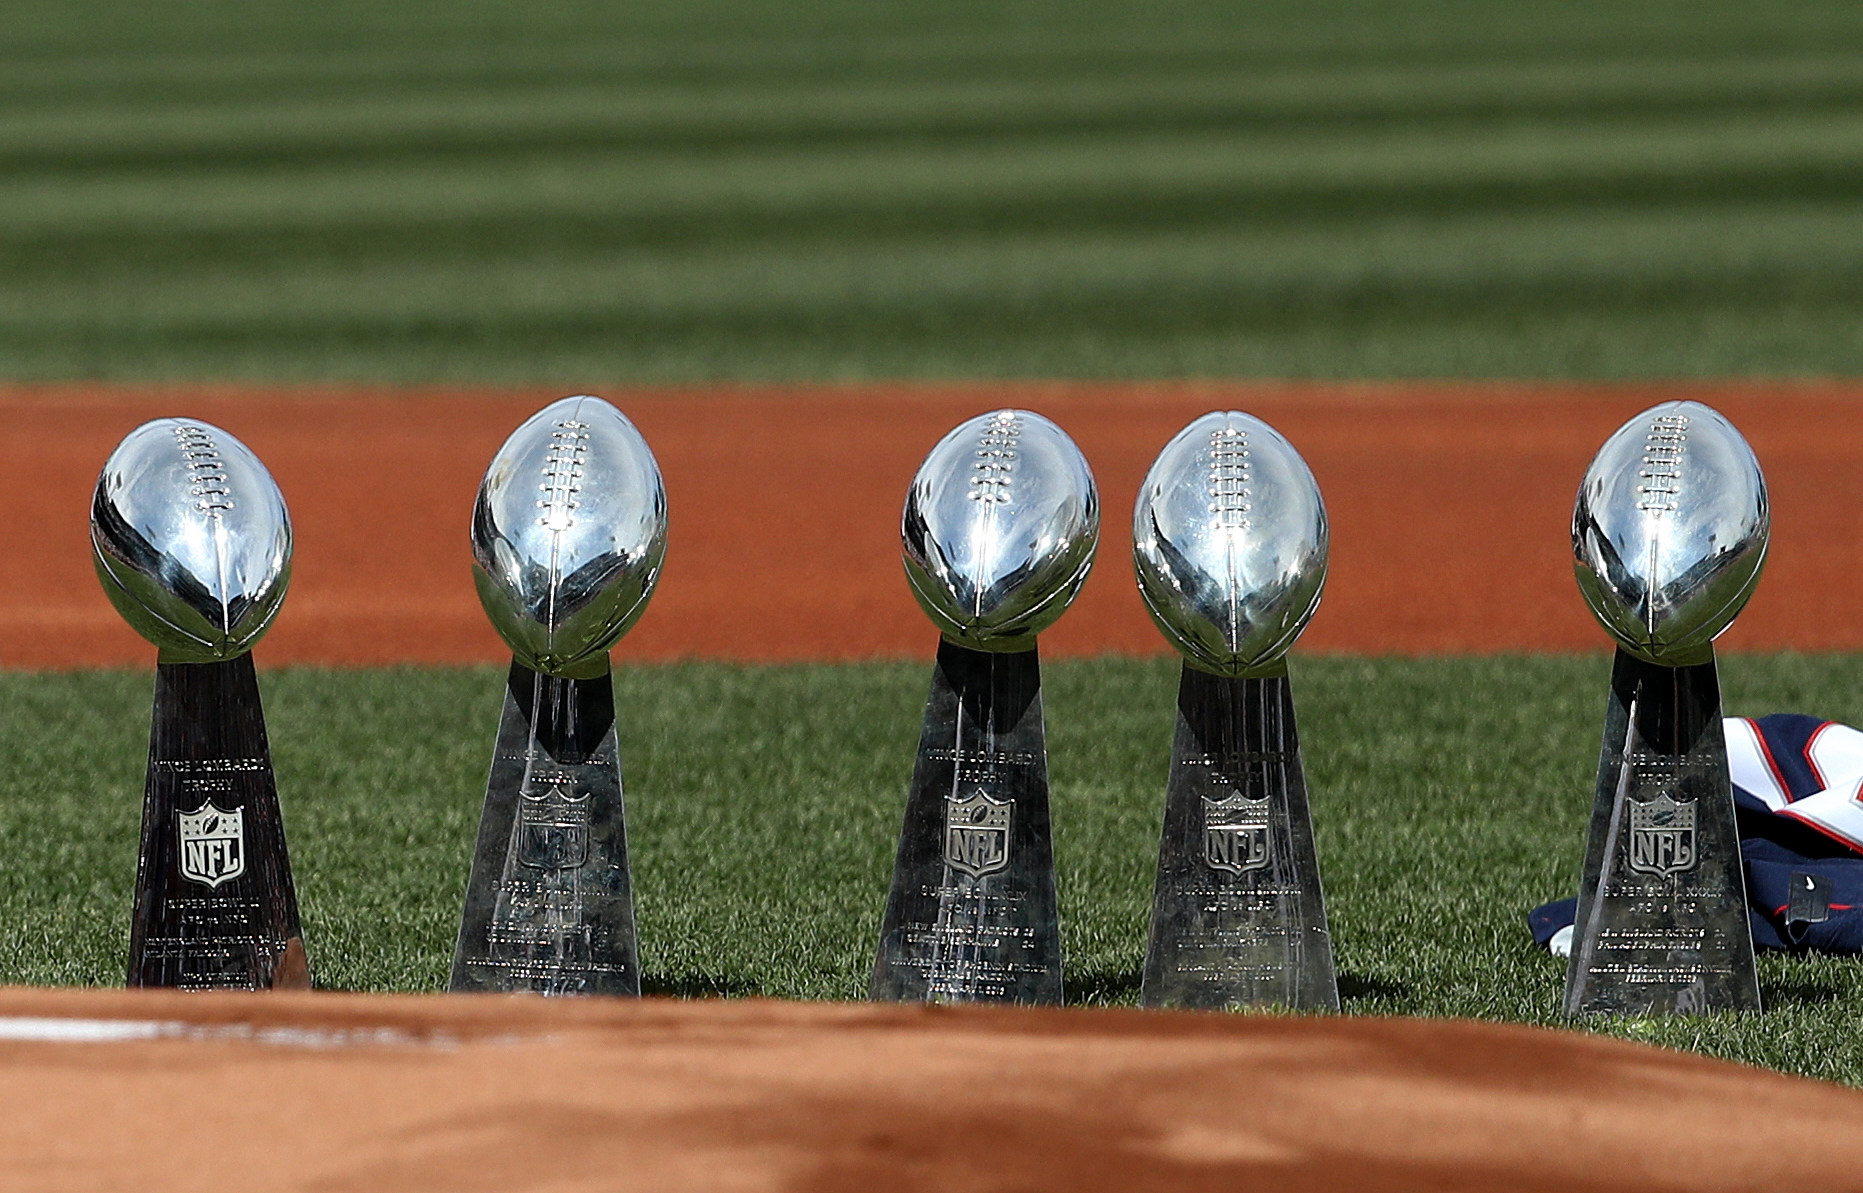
pixel 1450 506
pixel 350 1094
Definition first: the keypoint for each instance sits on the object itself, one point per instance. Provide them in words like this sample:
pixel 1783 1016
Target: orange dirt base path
pixel 350 1094
pixel 1450 508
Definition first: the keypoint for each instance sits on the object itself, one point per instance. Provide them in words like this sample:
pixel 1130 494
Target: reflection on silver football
pixel 1670 531
pixel 999 529
pixel 568 535
pixel 1229 541
pixel 191 540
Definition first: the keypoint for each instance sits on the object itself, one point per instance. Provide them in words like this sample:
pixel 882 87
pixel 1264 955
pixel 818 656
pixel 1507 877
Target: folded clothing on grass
pixel 1798 801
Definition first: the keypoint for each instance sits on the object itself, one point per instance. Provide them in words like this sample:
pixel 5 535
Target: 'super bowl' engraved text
pixel 1229 478
pixel 1660 475
pixel 207 478
pixel 996 458
pixel 533 894
pixel 210 939
pixel 563 468
pixel 976 903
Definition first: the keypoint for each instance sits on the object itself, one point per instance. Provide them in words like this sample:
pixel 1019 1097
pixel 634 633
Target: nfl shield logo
pixel 553 830
pixel 1662 837
pixel 976 833
pixel 213 844
pixel 1235 833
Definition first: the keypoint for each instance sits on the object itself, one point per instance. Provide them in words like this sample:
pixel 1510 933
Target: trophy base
pixel 215 907
pixel 1662 922
pixel 1238 917
pixel 972 914
pixel 550 904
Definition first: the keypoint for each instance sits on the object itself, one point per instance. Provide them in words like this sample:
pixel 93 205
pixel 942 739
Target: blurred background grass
pixel 764 803
pixel 585 194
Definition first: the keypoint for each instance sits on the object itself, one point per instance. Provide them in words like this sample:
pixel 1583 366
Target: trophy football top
pixel 1229 539
pixel 1670 531
pixel 999 529
pixel 568 535
pixel 191 540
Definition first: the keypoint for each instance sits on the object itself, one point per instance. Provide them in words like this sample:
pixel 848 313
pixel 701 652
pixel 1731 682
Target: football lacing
pixel 996 459
pixel 207 477
pixel 1661 473
pixel 1230 477
pixel 563 469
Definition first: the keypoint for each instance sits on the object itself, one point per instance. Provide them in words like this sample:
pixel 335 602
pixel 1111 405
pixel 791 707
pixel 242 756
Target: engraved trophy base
pixel 215 908
pixel 550 905
pixel 1662 922
pixel 1238 917
pixel 972 914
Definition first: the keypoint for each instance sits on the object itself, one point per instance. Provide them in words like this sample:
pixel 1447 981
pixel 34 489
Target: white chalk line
pixel 49 1030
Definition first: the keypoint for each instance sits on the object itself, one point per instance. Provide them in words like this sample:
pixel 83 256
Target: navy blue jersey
pixel 1798 799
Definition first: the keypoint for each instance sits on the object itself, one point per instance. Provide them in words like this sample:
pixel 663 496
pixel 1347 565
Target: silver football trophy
pixel 568 536
pixel 1229 539
pixel 1669 534
pixel 193 545
pixel 999 531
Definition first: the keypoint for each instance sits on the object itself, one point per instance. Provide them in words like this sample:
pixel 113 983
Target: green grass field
pixel 587 194
pixel 1450 796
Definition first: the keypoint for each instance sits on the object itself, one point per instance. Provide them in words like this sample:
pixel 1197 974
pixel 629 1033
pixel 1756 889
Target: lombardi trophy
pixel 191 540
pixel 999 531
pixel 1230 541
pixel 568 536
pixel 1669 534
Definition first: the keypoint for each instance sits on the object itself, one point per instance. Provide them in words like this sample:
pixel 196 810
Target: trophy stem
pixel 972 914
pixel 1662 923
pixel 1238 916
pixel 550 904
pixel 215 907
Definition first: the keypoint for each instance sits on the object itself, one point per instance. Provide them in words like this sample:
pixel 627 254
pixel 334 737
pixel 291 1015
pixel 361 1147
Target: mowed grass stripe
pixel 387 118
pixel 1643 253
pixel 354 37
pixel 1450 796
pixel 1014 184
pixel 730 190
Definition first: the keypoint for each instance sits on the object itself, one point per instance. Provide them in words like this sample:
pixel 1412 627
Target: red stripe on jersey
pixel 1813 762
pixel 1772 764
